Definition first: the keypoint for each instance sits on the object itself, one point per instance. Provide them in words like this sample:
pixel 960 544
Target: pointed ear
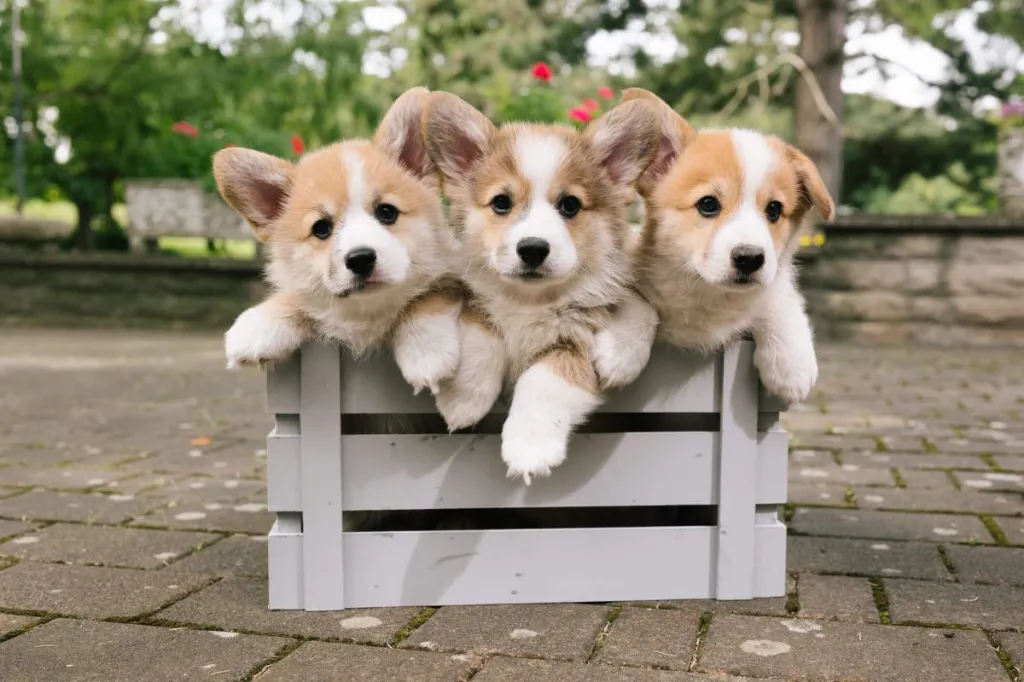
pixel 675 134
pixel 400 133
pixel 626 140
pixel 254 184
pixel 456 134
pixel 813 191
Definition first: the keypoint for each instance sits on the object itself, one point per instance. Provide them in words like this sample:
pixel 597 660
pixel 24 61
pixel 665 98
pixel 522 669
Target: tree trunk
pixel 84 238
pixel 822 39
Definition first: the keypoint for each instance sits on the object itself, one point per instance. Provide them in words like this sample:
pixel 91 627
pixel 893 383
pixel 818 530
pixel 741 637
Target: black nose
pixel 747 259
pixel 361 261
pixel 533 251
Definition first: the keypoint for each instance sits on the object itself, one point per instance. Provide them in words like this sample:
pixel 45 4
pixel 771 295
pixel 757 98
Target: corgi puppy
pixel 540 211
pixel 359 249
pixel 716 254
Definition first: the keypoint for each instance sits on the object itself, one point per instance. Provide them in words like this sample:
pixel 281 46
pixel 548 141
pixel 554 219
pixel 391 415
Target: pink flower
pixel 590 105
pixel 298 146
pixel 1011 109
pixel 542 72
pixel 580 114
pixel 605 92
pixel 185 128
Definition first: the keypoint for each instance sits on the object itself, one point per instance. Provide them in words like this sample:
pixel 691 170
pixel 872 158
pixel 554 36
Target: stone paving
pixel 132 519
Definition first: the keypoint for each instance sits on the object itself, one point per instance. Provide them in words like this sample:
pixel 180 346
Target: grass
pixel 186 247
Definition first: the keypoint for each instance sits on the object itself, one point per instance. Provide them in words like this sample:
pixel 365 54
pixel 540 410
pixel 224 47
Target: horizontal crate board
pixel 466 472
pixel 539 566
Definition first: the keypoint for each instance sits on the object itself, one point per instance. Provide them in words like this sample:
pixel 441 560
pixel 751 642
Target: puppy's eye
pixel 501 204
pixel 386 214
pixel 708 206
pixel 569 206
pixel 322 228
pixel 773 211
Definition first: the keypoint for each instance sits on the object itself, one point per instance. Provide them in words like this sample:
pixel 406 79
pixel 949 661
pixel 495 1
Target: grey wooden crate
pixel 316 472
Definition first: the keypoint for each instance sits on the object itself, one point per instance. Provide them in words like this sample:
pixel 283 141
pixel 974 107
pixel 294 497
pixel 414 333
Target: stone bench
pixel 693 433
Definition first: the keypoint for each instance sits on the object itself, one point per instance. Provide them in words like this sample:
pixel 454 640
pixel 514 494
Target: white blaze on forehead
pixel 757 159
pixel 539 157
pixel 356 180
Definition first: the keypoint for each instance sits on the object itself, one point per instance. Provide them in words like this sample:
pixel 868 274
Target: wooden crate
pixel 692 431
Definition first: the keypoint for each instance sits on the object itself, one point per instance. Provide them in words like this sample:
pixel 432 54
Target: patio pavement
pixel 132 549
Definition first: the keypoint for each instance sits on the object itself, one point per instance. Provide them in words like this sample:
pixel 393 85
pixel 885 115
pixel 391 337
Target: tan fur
pixel 572 363
pixel 282 201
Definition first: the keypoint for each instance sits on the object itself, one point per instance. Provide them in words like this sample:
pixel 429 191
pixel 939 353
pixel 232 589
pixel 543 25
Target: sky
pixel 914 63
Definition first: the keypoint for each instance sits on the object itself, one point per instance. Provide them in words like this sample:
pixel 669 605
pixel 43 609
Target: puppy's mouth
pixel 361 287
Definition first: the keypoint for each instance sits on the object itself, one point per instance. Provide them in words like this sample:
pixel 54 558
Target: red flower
pixel 185 128
pixel 580 114
pixel 590 105
pixel 298 146
pixel 228 145
pixel 542 72
pixel 606 92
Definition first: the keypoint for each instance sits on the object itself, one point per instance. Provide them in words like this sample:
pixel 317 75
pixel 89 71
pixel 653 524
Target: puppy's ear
pixel 675 134
pixel 456 134
pixel 255 184
pixel 626 140
pixel 813 191
pixel 399 134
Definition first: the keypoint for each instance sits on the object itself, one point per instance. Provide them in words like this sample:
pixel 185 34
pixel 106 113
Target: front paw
pixel 530 448
pixel 787 376
pixel 427 351
pixel 464 405
pixel 258 338
pixel 618 364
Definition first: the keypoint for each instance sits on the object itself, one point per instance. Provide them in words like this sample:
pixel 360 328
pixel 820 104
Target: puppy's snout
pixel 747 259
pixel 532 251
pixel 361 261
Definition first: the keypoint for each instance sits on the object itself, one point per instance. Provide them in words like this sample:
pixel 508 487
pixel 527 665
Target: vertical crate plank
pixel 284 563
pixel 320 423
pixel 737 482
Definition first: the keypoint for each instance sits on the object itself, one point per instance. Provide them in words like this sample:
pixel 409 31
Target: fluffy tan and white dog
pixel 715 257
pixel 540 213
pixel 358 249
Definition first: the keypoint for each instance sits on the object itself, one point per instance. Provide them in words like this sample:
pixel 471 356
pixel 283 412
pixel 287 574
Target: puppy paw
pixel 258 337
pixel 427 349
pixel 530 449
pixel 618 364
pixel 789 376
pixel 463 405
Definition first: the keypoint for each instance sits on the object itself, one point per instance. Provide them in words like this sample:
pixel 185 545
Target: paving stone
pixel 824 650
pixel 889 525
pixel 238 555
pixel 12 528
pixel 195 491
pixel 906 461
pixel 985 606
pixel 866 557
pixel 236 517
pixel 992 565
pixel 63 478
pixel 922 479
pixel 1013 644
pixel 45 505
pixel 84 651
pixel 241 604
pixel 104 545
pixel 845 474
pixel 212 461
pixel 1013 529
pixel 800 458
pixel 90 591
pixel 560 631
pixel 319 662
pixel 939 501
pixel 991 481
pixel 1011 463
pixel 500 669
pixel 818 494
pixel 773 606
pixel 836 597
pixel 651 638
pixel 11 624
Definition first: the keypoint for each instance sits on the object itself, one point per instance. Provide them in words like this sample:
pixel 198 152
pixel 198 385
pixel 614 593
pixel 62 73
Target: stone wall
pixel 118 290
pixel 931 280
